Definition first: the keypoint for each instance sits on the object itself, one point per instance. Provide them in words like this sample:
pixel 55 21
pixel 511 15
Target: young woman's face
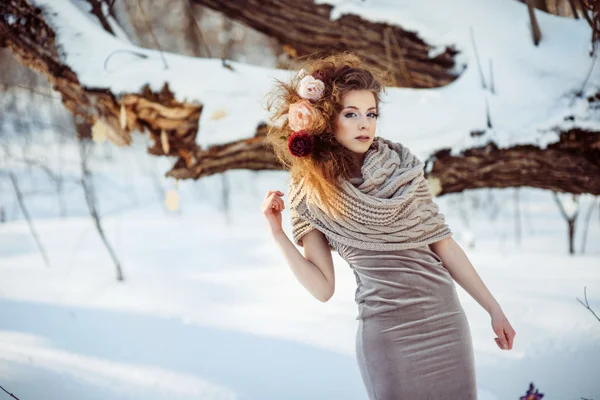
pixel 355 125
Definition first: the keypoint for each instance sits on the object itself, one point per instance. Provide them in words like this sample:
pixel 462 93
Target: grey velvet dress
pixel 413 340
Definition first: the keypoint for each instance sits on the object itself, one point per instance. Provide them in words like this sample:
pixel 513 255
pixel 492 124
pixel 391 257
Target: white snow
pixel 534 86
pixel 209 308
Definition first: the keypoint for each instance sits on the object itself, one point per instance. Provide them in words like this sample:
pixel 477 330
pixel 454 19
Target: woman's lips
pixel 363 138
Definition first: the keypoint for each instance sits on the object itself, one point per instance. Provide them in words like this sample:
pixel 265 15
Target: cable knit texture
pixel 389 208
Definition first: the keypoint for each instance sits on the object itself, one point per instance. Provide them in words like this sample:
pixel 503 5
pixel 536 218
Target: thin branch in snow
pixel 10 394
pixel 135 53
pixel 585 14
pixel 226 197
pixel 492 86
pixel 29 162
pixel 569 211
pixel 587 224
pixel 162 55
pixel 487 113
pixel 225 65
pixel 477 58
pixel 109 5
pixel 535 28
pixel 15 184
pixel 573 9
pixel 586 304
pixel 90 198
pixel 200 34
pixel 97 11
pixel 517 218
pixel 48 95
pixel 587 78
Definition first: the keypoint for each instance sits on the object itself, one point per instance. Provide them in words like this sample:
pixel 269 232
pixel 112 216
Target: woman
pixel 367 198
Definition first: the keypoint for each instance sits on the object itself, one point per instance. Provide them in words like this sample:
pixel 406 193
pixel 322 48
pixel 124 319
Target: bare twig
pixel 30 162
pixel 32 90
pixel 152 34
pixel 573 9
pixel 483 85
pixel 517 218
pixel 97 11
pixel 225 193
pixel 492 86
pixel 587 224
pixel 585 14
pixel 535 28
pixel 90 198
pixel 15 184
pixel 586 304
pixel 587 78
pixel 135 53
pixel 204 42
pixel 10 394
pixel 488 116
pixel 570 222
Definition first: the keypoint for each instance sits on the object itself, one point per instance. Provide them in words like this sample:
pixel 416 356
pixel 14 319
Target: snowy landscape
pixel 208 308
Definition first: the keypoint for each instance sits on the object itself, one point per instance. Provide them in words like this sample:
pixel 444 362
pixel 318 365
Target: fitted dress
pixel 413 340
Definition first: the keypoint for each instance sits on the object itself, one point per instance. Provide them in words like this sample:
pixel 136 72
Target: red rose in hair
pixel 300 143
pixel 320 75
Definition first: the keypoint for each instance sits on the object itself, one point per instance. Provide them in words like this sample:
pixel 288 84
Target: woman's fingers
pixel 505 337
pixel 277 192
pixel 273 201
pixel 501 339
pixel 511 336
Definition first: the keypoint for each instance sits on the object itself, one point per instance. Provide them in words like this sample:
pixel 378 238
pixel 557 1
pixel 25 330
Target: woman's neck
pixel 358 162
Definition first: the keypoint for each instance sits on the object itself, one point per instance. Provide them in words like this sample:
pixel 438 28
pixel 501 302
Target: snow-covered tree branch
pixel 514 115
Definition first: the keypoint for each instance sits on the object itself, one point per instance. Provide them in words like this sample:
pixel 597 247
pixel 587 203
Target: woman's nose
pixel 363 123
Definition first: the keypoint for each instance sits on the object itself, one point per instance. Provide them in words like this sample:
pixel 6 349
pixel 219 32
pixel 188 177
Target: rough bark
pixel 570 165
pixel 304 27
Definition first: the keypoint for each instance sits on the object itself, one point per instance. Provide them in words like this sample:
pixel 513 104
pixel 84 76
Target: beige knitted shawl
pixel 389 208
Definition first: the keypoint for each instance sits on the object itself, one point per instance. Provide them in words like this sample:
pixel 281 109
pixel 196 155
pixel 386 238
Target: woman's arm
pixel 314 270
pixel 456 262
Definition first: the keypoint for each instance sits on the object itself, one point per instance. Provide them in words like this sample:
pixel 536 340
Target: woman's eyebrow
pixel 356 108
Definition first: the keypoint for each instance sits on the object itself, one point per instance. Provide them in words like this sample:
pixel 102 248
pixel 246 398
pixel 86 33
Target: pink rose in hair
pixel 311 88
pixel 300 144
pixel 301 115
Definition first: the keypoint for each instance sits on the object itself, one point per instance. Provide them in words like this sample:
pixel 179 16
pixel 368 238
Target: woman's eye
pixel 349 115
pixel 373 115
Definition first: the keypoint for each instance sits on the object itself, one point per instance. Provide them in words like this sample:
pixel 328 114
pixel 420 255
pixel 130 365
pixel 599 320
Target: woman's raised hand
pixel 271 207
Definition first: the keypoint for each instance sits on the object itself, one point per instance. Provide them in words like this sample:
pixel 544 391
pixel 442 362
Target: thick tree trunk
pixel 571 165
pixel 306 27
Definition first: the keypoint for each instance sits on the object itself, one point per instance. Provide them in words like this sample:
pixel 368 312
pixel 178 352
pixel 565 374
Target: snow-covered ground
pixel 210 310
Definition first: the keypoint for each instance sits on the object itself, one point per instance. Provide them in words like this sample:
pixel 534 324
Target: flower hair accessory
pixel 321 75
pixel 301 115
pixel 300 144
pixel 311 88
